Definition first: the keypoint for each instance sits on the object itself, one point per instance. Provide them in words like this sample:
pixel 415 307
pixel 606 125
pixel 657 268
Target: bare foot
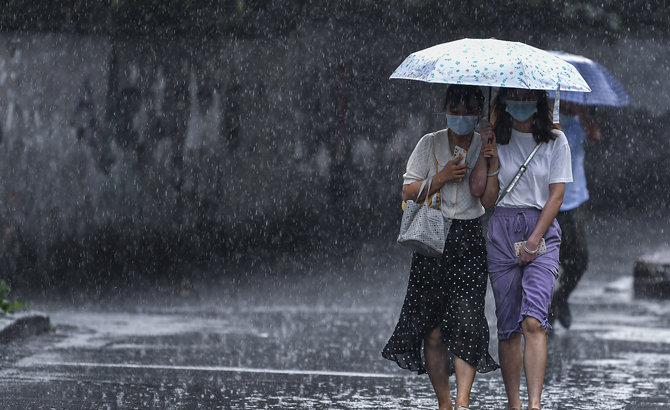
pixel 449 406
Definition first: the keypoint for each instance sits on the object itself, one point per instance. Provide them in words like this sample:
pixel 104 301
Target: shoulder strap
pixel 437 197
pixel 518 175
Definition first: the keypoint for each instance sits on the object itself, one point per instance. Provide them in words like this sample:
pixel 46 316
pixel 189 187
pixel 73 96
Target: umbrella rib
pixel 525 75
pixel 523 71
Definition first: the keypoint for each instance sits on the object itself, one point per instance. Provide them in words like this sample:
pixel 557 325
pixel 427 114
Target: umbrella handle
pixel 557 104
pixel 488 117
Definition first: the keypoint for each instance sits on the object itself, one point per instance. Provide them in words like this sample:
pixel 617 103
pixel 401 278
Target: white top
pixel 550 165
pixel 457 201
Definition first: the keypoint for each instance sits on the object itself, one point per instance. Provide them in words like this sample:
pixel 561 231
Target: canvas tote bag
pixel 423 229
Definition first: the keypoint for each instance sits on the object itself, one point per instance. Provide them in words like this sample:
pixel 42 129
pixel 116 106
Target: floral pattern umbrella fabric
pixel 605 89
pixel 491 63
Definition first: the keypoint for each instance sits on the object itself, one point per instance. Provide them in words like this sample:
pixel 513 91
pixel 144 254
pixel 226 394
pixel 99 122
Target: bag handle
pixel 429 181
pixel 437 196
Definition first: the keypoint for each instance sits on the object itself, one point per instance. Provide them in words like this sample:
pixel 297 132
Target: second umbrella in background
pixel 578 127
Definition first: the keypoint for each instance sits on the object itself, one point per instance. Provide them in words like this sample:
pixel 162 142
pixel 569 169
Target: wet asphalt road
pixel 298 334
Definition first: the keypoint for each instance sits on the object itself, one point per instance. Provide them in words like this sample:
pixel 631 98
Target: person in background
pixel 577 127
pixel 523 282
pixel 442 327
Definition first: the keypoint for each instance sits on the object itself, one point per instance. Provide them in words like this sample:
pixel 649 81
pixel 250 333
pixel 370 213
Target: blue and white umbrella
pixel 605 89
pixel 491 63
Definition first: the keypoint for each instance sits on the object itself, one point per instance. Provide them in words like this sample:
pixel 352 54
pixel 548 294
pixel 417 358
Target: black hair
pixel 465 94
pixel 542 124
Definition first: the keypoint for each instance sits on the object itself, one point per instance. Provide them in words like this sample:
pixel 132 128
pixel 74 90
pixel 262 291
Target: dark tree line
pixel 261 17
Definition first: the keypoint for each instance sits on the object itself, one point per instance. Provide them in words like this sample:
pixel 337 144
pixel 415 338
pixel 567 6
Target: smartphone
pixel 541 248
pixel 460 151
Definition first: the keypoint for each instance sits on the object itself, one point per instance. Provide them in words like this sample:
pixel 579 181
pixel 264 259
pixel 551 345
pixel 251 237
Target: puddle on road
pixel 616 356
pixel 637 335
pixel 607 383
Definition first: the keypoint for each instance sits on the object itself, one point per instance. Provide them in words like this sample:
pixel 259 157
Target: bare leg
pixel 465 376
pixel 437 366
pixel 534 359
pixel 510 365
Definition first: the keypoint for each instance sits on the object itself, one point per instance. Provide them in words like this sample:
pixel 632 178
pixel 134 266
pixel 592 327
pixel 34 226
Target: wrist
pixel 532 244
pixel 529 249
pixel 439 179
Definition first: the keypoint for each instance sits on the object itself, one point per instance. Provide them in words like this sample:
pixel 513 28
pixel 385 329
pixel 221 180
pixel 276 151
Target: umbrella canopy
pixel 491 63
pixel 605 89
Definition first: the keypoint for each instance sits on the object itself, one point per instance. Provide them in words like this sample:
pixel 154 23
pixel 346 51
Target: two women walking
pixel 443 311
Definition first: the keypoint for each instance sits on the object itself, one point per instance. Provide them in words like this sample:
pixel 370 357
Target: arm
pixel 450 172
pixel 478 175
pixel 590 128
pixel 490 195
pixel 547 216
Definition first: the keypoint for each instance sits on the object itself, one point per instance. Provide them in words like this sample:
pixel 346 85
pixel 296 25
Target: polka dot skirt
pixel 448 292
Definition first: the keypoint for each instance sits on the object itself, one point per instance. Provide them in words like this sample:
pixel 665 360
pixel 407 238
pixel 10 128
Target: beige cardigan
pixel 457 202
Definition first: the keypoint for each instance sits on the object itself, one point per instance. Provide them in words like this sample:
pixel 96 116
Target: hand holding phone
pixel 459 151
pixel 541 247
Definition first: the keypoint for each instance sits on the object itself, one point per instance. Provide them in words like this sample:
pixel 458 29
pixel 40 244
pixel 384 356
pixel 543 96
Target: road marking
pixel 215 369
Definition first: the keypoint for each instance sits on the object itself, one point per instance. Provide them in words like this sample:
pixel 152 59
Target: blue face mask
pixel 462 124
pixel 521 110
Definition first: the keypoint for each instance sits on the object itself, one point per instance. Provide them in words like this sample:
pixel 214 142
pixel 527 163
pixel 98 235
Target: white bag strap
pixel 437 196
pixel 429 181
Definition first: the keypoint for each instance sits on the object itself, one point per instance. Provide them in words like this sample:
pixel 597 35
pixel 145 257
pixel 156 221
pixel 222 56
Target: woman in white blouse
pixel 523 283
pixel 444 305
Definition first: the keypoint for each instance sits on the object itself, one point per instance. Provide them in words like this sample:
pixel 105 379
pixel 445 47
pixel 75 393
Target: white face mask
pixel 462 124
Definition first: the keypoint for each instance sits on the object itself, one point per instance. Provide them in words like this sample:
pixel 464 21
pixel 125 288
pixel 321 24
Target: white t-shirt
pixel 457 201
pixel 550 165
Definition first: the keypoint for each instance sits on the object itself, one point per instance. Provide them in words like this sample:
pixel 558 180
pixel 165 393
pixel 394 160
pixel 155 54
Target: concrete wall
pixel 118 151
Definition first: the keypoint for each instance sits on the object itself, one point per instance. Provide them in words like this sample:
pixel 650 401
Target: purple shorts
pixel 520 291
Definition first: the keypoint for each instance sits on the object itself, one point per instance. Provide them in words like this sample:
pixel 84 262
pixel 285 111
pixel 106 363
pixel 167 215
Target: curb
pixel 652 276
pixel 20 326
